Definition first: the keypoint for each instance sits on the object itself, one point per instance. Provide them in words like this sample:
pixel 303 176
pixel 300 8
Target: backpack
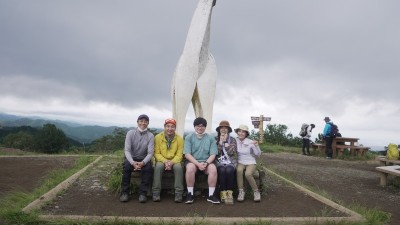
pixel 334 130
pixel 392 152
pixel 303 130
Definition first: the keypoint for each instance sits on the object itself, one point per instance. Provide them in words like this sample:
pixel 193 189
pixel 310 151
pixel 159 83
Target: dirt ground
pixel 27 173
pixel 348 182
pixel 89 196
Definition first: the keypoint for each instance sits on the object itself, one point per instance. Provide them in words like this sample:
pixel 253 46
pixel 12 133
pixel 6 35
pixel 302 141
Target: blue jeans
pixel 226 177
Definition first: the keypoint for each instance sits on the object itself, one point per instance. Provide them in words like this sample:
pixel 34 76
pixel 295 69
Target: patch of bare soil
pixel 27 173
pixel 89 196
pixel 349 182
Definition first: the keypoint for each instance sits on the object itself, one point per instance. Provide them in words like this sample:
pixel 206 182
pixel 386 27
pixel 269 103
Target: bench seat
pixel 387 162
pixel 385 171
pixel 201 183
pixel 318 147
pixel 354 150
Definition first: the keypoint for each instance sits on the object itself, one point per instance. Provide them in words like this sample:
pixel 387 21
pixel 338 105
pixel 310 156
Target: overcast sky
pixel 106 62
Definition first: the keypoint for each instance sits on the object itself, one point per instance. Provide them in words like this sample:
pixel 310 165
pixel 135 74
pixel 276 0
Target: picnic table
pixel 339 144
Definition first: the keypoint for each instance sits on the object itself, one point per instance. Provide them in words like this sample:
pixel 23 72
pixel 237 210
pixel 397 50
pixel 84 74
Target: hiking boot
pixel 156 197
pixel 222 195
pixel 241 195
pixel 124 197
pixel 178 197
pixel 142 198
pixel 257 196
pixel 229 197
pixel 189 198
pixel 213 199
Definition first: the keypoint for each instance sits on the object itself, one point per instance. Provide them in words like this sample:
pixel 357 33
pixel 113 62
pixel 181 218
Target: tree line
pixel 50 139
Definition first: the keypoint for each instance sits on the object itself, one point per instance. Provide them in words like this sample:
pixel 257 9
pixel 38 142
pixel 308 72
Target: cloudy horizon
pixel 103 62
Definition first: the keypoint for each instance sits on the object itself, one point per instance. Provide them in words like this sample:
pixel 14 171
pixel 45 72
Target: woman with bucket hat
pixel 247 150
pixel 226 161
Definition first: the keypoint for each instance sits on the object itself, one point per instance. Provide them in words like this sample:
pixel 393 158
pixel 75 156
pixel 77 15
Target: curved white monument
pixel 196 73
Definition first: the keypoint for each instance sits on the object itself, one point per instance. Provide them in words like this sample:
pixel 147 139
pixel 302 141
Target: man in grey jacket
pixel 139 149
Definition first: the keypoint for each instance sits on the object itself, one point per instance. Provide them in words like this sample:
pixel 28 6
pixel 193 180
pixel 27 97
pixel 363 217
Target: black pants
pixel 146 174
pixel 328 148
pixel 226 177
pixel 306 145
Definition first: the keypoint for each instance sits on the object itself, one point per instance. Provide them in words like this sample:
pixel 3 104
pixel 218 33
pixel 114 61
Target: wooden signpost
pixel 258 124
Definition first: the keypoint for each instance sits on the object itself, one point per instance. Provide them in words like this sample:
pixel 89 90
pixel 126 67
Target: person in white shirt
pixel 247 150
pixel 306 140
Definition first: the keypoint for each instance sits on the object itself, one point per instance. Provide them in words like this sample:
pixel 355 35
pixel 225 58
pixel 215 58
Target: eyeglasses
pixel 200 126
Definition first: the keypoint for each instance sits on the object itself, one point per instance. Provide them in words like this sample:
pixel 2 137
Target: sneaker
pixel 241 195
pixel 213 199
pixel 124 197
pixel 328 157
pixel 189 198
pixel 178 197
pixel 257 196
pixel 142 198
pixel 222 195
pixel 229 197
pixel 156 197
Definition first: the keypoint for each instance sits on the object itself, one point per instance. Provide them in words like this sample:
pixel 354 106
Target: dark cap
pixel 200 120
pixel 143 116
pixel 327 119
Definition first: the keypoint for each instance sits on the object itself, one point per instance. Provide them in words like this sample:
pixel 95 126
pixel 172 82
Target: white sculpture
pixel 196 73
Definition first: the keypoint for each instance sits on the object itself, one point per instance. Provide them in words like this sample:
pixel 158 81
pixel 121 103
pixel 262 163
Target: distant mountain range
pixel 78 132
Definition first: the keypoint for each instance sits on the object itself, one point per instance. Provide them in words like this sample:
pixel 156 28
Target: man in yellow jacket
pixel 168 153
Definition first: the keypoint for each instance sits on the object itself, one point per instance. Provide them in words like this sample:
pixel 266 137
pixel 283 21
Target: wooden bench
pixel 354 150
pixel 318 147
pixel 387 162
pixel 167 182
pixel 385 171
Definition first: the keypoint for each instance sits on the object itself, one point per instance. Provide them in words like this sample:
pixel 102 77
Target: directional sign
pixel 254 118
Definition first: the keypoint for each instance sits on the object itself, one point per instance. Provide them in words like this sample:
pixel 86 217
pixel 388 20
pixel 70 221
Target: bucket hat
pixel 243 128
pixel 224 123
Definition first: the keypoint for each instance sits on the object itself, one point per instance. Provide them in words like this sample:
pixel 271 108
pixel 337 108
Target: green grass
pixel 270 148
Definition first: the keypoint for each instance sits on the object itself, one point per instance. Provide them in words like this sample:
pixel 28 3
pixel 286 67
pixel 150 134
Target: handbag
pixel 224 159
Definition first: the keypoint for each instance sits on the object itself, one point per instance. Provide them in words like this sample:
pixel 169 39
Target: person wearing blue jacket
pixel 328 138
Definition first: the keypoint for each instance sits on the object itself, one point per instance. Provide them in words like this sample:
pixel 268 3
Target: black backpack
pixel 334 130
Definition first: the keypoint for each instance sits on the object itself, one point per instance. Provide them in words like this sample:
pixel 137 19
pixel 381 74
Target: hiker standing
pixel 328 138
pixel 306 139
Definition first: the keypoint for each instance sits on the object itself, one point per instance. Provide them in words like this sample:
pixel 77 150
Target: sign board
pixel 256 118
pixel 255 123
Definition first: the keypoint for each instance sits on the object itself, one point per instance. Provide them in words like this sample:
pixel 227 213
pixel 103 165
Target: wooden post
pixel 261 129
pixel 259 121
